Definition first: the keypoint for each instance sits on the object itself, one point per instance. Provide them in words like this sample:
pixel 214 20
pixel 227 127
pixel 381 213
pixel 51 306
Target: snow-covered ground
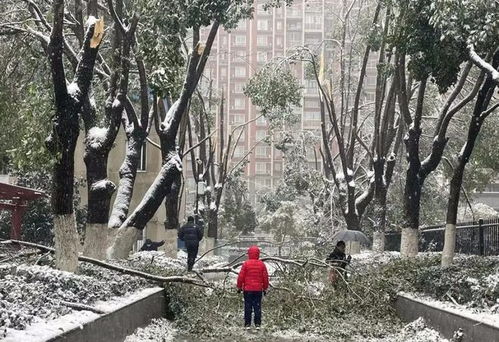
pixel 162 330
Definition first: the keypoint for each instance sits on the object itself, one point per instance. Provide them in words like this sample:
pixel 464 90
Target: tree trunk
pixel 100 191
pixel 213 223
pixel 379 220
pixel 127 173
pixel 480 113
pixel 352 220
pixel 146 209
pixel 412 195
pixel 171 204
pixel 67 242
pixel 65 130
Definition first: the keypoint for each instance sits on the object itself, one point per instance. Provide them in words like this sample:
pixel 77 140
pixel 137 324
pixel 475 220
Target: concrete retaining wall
pixel 446 321
pixel 115 326
pixel 120 318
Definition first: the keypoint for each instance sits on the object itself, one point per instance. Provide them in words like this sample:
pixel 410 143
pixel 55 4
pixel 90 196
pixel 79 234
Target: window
pixel 313 21
pixel 261 168
pixel 240 71
pixel 261 40
pixel 261 121
pixel 294 26
pixel 142 158
pixel 277 166
pixel 261 57
pixel 278 41
pixel 261 134
pixel 262 25
pixel 311 116
pixel 240 40
pixel 311 86
pixel 262 151
pixel 279 25
pixel 238 88
pixel 223 72
pixel 294 38
pixel 239 103
pixel 241 25
pixel 239 151
pixel 294 12
pixel 311 103
pixel 236 119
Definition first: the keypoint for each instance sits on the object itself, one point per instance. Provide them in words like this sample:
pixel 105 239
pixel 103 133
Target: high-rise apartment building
pixel 238 54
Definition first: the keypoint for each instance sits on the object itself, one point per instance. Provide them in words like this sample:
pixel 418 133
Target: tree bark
pixel 480 113
pixel 62 142
pixel 167 178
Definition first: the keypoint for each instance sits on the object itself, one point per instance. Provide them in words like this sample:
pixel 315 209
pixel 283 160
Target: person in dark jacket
pixel 191 234
pixel 253 279
pixel 338 259
pixel 150 245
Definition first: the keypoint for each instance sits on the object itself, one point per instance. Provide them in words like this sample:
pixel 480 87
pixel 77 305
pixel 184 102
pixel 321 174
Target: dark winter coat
pixel 151 245
pixel 338 258
pixel 191 234
pixel 253 275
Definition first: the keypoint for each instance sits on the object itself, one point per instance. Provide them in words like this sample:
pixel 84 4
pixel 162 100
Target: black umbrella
pixel 352 235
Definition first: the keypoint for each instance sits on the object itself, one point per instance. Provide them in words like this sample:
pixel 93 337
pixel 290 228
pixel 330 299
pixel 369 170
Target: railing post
pixel 481 245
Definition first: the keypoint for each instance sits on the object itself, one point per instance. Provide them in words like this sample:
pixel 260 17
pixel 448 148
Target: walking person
pixel 339 260
pixel 253 280
pixel 191 234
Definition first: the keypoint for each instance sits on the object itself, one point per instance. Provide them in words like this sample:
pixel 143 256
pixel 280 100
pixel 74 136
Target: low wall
pixel 122 316
pixel 447 321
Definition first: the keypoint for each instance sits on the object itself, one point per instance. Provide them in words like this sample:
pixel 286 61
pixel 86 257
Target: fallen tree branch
pixel 19 255
pixel 82 307
pixel 129 271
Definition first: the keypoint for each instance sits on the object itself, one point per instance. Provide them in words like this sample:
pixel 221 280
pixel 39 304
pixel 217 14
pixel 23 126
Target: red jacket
pixel 253 275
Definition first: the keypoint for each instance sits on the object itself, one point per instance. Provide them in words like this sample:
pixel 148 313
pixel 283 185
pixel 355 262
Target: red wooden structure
pixel 15 198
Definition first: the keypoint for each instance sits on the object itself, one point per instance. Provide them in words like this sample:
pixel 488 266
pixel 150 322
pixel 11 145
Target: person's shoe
pixel 257 327
pixel 247 327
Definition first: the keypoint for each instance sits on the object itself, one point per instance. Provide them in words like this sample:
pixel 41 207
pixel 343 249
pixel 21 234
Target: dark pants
pixel 192 253
pixel 252 303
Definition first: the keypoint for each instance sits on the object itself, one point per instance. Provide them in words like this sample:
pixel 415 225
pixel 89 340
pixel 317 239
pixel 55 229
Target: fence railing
pixel 475 237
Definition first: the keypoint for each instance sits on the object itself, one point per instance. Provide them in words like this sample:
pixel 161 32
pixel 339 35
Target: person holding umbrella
pixel 338 260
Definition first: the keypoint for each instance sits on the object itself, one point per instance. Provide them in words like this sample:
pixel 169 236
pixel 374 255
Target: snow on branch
pixel 129 271
pixel 482 64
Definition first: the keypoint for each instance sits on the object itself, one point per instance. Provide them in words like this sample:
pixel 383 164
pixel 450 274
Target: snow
pixel 91 20
pixel 45 330
pixel 116 103
pixel 73 89
pixel 416 331
pixel 351 184
pixel 160 330
pixel 116 303
pixel 460 310
pixel 42 331
pixel 101 185
pixel 96 136
pixel 24 289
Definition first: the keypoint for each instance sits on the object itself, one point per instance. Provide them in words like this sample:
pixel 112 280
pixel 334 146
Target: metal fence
pixel 476 237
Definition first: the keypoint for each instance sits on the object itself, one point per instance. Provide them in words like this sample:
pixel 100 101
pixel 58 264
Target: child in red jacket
pixel 253 279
